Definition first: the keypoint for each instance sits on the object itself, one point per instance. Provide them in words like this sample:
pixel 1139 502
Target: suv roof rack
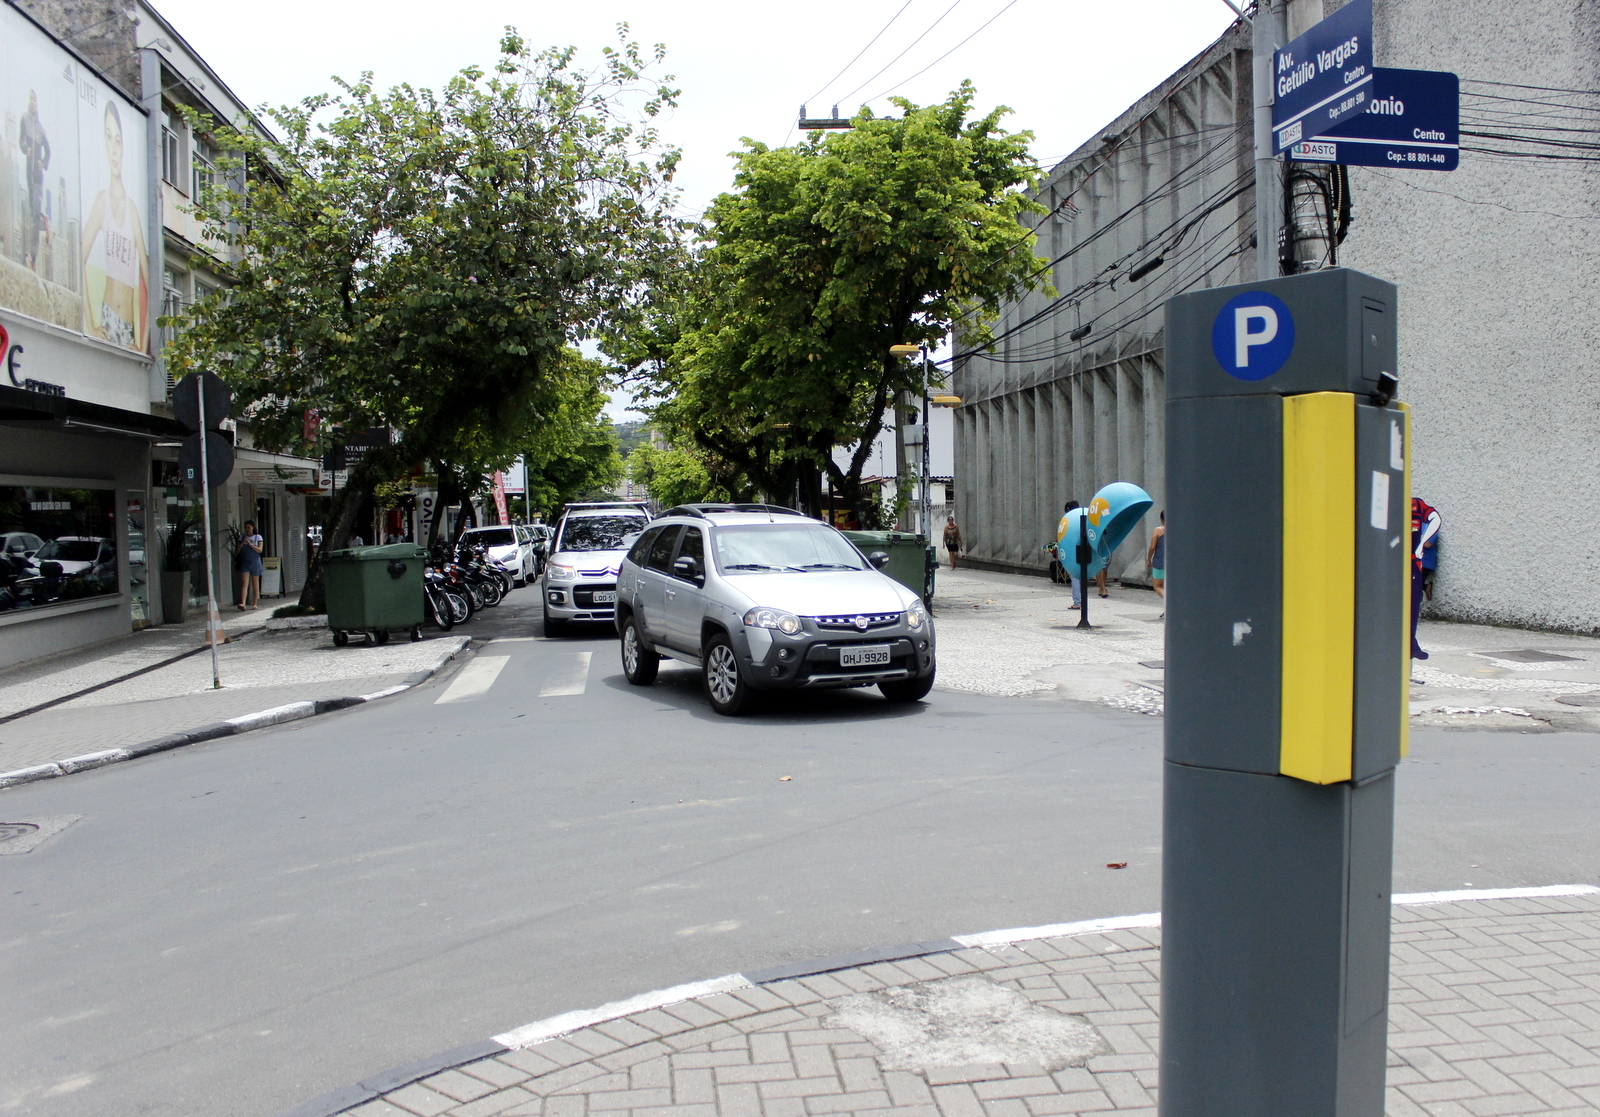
pixel 605 504
pixel 701 510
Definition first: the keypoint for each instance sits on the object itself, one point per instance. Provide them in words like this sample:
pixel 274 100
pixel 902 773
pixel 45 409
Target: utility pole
pixel 927 468
pixel 1268 33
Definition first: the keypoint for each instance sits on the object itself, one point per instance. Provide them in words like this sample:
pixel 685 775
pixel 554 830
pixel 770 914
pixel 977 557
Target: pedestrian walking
pixel 952 540
pixel 1156 559
pixel 248 561
pixel 1424 536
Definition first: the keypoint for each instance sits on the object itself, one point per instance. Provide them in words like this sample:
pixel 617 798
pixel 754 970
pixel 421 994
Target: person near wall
pixel 952 540
pixel 1156 559
pixel 1424 537
pixel 249 564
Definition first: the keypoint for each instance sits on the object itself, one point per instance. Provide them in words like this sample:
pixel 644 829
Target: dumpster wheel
pixel 340 637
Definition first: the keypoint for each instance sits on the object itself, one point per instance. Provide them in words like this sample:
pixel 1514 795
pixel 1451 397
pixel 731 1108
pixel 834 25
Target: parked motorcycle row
pixel 459 582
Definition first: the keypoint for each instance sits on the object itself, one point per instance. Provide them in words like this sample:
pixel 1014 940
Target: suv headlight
pixel 561 573
pixel 916 616
pixel 786 623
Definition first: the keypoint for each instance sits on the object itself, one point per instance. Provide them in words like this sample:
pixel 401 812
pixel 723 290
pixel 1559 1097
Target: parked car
pixel 580 580
pixel 79 554
pixel 763 598
pixel 508 548
pixel 20 544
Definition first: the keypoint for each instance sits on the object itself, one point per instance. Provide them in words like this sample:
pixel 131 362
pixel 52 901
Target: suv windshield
pixel 598 533
pixel 491 537
pixel 759 548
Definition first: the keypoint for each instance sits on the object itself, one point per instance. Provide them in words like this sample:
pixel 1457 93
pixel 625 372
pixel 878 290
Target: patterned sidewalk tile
pixel 1495 1009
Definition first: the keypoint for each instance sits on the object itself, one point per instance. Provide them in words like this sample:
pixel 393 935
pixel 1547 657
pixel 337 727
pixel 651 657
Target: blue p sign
pixel 1253 335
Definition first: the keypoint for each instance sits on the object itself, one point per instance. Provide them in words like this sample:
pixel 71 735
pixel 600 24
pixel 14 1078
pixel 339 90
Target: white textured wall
pixel 1499 318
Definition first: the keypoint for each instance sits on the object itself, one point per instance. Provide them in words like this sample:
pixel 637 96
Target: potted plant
pixel 175 572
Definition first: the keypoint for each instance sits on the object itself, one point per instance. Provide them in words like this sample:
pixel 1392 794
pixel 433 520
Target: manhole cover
pixel 24 837
pixel 1578 699
pixel 1531 655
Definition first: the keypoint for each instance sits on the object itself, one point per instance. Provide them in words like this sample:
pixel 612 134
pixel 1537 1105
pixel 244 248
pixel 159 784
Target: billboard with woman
pixel 73 182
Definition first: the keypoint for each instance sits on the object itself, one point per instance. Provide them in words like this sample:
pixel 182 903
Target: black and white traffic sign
pixel 1413 120
pixel 1323 77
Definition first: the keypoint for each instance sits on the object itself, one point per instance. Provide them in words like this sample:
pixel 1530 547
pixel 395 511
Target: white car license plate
pixel 873 656
pixel 605 597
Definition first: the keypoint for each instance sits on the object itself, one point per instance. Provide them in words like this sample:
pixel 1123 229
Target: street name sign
pixel 1413 120
pixel 1323 77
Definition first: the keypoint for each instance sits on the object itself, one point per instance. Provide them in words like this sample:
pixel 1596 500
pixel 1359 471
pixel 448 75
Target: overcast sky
pixel 1066 67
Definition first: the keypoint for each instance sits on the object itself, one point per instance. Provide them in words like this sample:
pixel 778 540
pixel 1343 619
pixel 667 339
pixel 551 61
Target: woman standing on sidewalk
pixel 249 564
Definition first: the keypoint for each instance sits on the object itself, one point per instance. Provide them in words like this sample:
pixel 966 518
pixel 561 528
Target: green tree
pixel 421 260
pixel 771 347
pixel 571 450
pixel 683 476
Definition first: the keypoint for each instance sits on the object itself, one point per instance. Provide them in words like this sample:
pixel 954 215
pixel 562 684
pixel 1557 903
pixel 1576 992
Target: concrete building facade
pixel 1498 309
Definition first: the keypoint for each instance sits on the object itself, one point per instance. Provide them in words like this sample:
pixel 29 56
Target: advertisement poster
pixel 73 208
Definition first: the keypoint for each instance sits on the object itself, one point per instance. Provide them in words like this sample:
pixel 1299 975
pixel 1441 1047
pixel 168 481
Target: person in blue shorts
pixel 1156 559
pixel 248 562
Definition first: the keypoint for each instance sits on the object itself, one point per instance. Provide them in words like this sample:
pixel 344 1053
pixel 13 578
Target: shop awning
pixel 18 405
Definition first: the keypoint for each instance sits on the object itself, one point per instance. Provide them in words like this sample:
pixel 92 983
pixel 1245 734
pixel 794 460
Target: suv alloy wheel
pixel 725 686
pixel 638 665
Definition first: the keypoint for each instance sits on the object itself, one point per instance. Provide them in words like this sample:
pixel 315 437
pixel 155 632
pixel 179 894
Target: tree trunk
pixel 313 595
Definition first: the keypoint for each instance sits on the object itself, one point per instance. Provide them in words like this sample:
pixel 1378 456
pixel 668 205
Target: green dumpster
pixel 376 590
pixel 912 560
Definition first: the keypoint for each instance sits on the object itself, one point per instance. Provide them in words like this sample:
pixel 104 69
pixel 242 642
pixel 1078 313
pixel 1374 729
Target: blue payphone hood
pixel 1111 515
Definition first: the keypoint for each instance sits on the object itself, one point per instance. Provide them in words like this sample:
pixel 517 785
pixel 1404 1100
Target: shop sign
pixel 13 359
pixel 305 476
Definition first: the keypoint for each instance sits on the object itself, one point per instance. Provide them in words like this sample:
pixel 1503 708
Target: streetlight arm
pixel 1238 11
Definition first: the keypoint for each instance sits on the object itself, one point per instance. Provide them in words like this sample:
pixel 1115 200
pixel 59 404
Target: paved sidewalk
pixel 261 670
pixel 1010 634
pixel 1494 1009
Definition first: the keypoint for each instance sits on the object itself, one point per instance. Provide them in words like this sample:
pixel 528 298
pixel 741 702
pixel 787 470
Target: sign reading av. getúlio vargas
pixel 1323 77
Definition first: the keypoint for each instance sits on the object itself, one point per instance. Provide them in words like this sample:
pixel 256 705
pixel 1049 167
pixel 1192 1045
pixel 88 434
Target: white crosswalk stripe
pixel 569 674
pixel 475 679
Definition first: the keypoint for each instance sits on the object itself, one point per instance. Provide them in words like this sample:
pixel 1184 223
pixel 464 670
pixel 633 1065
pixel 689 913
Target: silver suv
pixel 580 577
pixel 763 598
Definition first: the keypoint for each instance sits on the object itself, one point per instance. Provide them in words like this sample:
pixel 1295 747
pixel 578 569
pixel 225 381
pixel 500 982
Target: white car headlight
pixel 786 623
pixel 561 573
pixel 916 616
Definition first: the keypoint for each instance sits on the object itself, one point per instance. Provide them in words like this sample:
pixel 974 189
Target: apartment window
pixel 202 172
pixel 171 155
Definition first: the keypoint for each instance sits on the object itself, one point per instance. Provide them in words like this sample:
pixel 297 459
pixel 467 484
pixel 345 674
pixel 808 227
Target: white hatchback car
pixel 509 548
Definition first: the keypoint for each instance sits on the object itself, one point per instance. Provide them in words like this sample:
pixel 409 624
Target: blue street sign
pixel 1323 77
pixel 1413 120
pixel 1252 335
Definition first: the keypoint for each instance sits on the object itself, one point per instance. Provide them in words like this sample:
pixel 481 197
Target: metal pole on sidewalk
pixel 213 622
pixel 927 511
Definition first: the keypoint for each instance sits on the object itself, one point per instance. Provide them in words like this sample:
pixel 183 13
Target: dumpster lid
pixel 386 553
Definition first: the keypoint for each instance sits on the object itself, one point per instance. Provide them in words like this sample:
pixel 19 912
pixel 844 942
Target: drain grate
pixel 9 831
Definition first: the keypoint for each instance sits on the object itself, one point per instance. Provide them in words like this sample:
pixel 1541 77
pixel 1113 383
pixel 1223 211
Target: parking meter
pixel 1287 661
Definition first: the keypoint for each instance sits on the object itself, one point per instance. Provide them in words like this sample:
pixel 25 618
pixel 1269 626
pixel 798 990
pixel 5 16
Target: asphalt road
pixel 235 927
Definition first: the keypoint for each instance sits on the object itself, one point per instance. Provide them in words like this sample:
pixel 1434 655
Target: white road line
pixel 475 678
pixel 569 674
pixel 549 1028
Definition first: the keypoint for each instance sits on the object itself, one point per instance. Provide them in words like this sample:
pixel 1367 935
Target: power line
pixel 862 51
pixel 946 54
pixel 902 54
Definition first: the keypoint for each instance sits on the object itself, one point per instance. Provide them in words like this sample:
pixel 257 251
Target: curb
pixel 368 1089
pixel 277 715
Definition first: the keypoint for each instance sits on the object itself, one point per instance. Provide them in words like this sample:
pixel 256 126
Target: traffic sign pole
pixel 1267 32
pixel 213 620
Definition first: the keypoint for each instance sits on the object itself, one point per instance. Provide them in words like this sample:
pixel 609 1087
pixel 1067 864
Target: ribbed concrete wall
pixel 1498 311
pixel 1048 419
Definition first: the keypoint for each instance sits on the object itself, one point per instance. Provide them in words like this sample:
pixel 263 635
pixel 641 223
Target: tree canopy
pixel 770 347
pixel 422 260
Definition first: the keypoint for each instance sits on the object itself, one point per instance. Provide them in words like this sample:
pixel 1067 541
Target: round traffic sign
pixel 1253 335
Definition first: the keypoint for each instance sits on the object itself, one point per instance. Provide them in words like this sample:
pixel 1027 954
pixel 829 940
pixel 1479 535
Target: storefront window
pixel 56 545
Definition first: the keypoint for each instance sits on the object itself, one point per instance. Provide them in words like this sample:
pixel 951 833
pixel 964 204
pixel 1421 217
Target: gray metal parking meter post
pixel 1286 666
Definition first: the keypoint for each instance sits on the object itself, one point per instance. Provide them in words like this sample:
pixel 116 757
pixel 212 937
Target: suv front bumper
pixel 811 658
pixel 575 601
